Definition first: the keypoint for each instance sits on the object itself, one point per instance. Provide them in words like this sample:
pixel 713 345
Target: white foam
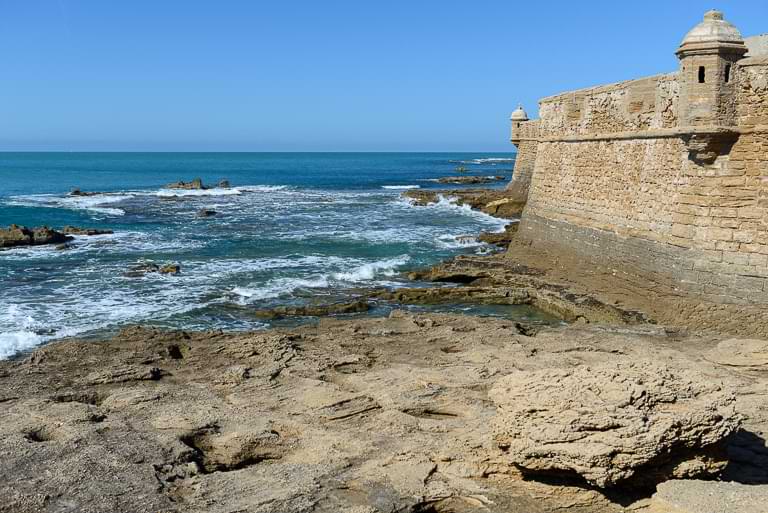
pixel 119 242
pixel 490 160
pixel 451 204
pixel 183 193
pixel 93 203
pixel 218 191
pixel 13 342
pixel 369 271
pixel 262 188
pixel 458 242
pixel 21 339
pixel 400 187
pixel 280 287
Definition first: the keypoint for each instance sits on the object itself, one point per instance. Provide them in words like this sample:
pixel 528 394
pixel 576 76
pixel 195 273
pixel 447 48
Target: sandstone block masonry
pixel 664 178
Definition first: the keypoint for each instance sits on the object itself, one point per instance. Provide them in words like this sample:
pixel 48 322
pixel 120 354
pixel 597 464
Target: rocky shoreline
pixel 409 413
pixel 621 409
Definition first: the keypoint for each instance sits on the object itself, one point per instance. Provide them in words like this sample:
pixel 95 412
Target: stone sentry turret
pixel 708 55
pixel 708 81
pixel 518 117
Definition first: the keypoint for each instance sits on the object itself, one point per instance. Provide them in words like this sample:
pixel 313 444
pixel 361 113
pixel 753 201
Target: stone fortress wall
pixel 665 178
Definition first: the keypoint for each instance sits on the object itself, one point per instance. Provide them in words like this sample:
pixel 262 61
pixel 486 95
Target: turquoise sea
pixel 293 227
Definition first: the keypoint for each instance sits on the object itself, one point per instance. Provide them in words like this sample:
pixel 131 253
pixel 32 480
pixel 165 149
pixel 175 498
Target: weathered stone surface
pixel 374 414
pixel 612 422
pixel 678 496
pixel 736 352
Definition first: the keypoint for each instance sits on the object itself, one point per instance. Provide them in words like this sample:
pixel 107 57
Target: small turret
pixel 708 55
pixel 518 117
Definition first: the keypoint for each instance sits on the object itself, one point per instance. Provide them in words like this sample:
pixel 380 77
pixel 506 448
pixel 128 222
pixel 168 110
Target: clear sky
pixel 317 75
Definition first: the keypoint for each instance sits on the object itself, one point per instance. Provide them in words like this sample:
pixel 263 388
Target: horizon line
pixel 244 151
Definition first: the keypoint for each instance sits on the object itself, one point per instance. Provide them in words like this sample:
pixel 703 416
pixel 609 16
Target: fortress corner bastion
pixel 664 179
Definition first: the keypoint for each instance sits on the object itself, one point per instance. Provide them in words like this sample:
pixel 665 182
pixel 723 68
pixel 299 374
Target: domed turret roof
pixel 519 114
pixel 714 29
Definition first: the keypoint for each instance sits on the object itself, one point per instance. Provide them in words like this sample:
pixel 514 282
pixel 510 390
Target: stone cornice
pixel 661 133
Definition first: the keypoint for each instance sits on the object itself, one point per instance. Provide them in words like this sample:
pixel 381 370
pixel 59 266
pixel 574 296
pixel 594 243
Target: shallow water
pixel 293 227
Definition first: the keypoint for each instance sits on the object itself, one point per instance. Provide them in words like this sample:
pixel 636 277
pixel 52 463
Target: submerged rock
pixel 314 310
pixel 469 180
pixel 206 213
pixel 223 184
pixel 150 267
pixel 466 294
pixel 613 422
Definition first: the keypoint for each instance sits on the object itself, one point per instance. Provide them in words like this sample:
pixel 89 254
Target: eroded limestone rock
pixel 710 497
pixel 736 352
pixel 613 422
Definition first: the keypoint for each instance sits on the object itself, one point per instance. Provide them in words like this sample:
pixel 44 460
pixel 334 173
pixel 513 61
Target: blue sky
pixel 231 75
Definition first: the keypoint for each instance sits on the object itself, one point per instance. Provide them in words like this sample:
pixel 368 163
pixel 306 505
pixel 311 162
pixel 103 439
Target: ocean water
pixel 293 228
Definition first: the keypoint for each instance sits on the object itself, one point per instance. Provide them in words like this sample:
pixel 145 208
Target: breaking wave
pixel 94 203
pixel 280 287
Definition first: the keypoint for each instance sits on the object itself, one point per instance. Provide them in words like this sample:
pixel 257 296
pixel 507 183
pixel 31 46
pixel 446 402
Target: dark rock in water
pixel 78 192
pixel 150 267
pixel 15 235
pixel 62 247
pixel 206 213
pixel 470 180
pixel 45 235
pixel 196 184
pixel 74 230
pixel 501 239
pixel 314 310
